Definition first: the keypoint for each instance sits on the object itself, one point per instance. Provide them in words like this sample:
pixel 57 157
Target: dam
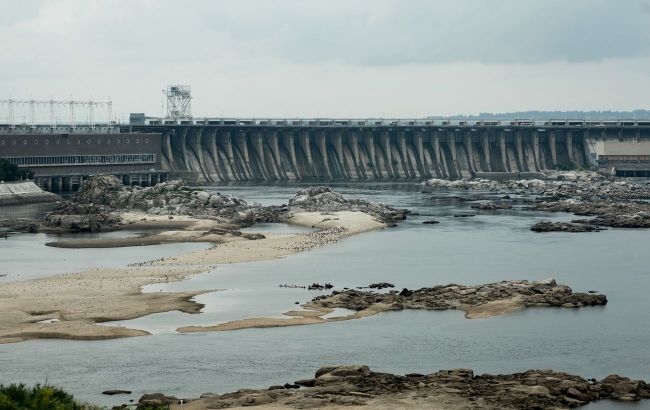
pixel 207 150
pixel 204 150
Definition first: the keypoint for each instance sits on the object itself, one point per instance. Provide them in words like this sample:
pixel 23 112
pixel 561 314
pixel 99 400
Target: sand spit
pixel 478 302
pixel 332 227
pixel 81 300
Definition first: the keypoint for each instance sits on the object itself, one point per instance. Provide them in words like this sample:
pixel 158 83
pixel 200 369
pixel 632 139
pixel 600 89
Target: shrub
pixel 20 397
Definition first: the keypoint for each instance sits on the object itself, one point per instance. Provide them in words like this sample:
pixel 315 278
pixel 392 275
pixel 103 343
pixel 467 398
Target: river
pixel 490 246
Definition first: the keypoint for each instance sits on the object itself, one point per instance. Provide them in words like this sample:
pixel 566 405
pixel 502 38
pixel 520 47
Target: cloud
pixel 334 57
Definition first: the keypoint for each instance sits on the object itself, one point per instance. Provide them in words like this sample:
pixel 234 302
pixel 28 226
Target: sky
pixel 331 58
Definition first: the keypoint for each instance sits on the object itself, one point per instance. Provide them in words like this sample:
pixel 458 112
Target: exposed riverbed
pixel 488 247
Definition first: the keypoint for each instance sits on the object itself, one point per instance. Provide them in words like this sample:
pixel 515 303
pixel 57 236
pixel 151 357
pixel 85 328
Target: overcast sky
pixel 389 58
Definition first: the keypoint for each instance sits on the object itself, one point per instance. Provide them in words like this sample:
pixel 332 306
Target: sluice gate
pixel 258 153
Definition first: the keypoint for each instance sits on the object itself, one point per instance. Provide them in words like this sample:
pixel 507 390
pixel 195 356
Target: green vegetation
pixel 10 172
pixel 20 397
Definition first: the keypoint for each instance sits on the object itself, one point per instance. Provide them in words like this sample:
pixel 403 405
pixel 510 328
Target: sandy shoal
pixel 313 314
pixel 81 300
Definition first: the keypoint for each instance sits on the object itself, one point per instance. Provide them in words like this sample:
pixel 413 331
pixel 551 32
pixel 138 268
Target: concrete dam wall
pixel 382 153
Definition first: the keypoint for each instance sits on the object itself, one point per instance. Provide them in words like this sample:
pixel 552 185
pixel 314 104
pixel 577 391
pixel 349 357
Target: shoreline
pixel 80 301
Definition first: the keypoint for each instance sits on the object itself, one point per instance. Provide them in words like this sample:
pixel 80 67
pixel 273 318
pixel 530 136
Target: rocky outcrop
pixel 157 400
pixel 547 226
pixel 458 388
pixel 522 292
pixel 19 225
pixel 584 185
pixel 614 202
pixel 491 206
pixel 166 198
pixel 70 216
pixel 323 199
pixel 630 214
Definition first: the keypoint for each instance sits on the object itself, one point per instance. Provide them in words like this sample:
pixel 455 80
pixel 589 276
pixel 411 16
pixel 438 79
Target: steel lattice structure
pixel 179 101
pixel 72 106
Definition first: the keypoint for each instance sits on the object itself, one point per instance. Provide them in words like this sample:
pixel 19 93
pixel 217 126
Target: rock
pixel 547 226
pixel 114 392
pixel 318 286
pixel 490 206
pixel 359 386
pixel 540 293
pixel 381 285
pixel 70 216
pixel 323 199
pixel 405 293
pixel 291 386
pixel 431 222
pixel 156 399
pixel 611 201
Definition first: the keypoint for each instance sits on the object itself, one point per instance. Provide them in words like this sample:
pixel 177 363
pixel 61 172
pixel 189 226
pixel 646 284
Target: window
pixel 84 159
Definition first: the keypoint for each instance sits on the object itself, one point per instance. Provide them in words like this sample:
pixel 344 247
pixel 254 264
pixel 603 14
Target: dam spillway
pixel 352 153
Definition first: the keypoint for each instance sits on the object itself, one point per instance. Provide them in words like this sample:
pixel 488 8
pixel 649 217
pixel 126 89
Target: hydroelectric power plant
pixel 152 149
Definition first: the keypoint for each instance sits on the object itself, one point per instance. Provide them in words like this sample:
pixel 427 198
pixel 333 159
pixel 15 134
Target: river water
pixel 490 246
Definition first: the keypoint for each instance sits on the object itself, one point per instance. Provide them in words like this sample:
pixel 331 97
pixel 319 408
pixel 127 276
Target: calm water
pixel 490 246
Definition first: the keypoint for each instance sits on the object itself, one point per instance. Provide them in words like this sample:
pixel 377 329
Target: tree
pixel 11 172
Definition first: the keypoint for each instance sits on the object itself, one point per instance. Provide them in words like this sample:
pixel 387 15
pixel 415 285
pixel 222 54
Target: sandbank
pixel 82 300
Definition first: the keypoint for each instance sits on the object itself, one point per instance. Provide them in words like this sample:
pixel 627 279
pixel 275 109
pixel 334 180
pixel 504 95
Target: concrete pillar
pixel 275 149
pixel 69 184
pixel 451 138
pixel 520 152
pixel 354 148
pixel 470 153
pixel 551 143
pixel 485 144
pixel 213 151
pixel 48 184
pixel 536 150
pixel 289 144
pixel 384 141
pixel 504 151
pixel 240 141
pixel 322 146
pixel 167 148
pixel 305 144
pixel 337 141
pixel 369 142
pixel 226 144
pixel 569 145
pixel 438 154
pixel 59 184
pixel 258 147
pixel 183 138
pixel 197 146
pixel 419 147
pixel 406 161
